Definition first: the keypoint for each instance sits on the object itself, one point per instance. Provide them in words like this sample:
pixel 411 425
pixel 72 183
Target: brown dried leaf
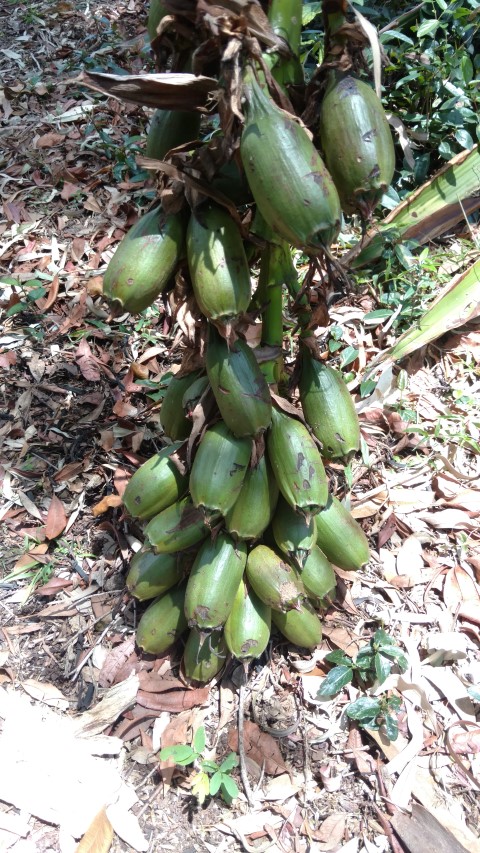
pixel 56 518
pixel 53 586
pixel 120 480
pixel 259 747
pixel 98 837
pixel 105 504
pixel 115 660
pixel 52 294
pixel 87 361
pixel 331 831
pixel 167 91
pixel 49 140
pixel 174 700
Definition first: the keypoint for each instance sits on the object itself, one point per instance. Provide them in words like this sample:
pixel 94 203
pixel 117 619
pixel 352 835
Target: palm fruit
pixel 150 574
pixel 179 526
pixel 213 582
pixel 356 142
pixel 247 629
pixel 144 262
pixel 328 408
pixel 294 534
pixel 276 583
pixel 163 622
pixel 172 416
pixel 318 576
pixel 204 655
pixel 302 627
pixel 156 12
pixel 219 469
pixel 297 464
pixel 193 394
pixel 239 386
pixel 340 537
pixel 288 179
pixel 253 510
pixel 158 483
pixel 218 265
pixel 170 128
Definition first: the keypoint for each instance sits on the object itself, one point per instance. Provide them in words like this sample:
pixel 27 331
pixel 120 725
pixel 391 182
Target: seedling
pixel 373 663
pixel 210 778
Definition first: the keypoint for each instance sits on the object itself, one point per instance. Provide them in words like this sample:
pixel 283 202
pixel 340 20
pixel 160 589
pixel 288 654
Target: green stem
pixel 285 17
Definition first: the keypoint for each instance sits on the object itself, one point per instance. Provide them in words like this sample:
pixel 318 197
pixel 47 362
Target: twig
pixel 241 748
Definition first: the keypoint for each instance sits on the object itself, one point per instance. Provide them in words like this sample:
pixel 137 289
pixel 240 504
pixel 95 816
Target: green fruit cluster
pixel 242 531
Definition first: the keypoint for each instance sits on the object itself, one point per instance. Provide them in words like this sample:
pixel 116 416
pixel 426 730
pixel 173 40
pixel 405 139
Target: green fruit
pixel 178 527
pixel 156 12
pixel 253 510
pixel 328 408
pixel 192 395
pixel 357 143
pixel 219 469
pixel 247 629
pixel 239 386
pixel 170 128
pixel 144 262
pixel 204 655
pixel 276 583
pixel 153 574
pixel 341 538
pixel 318 576
pixel 297 464
pixel 213 582
pixel 288 179
pixel 218 265
pixel 172 416
pixel 163 622
pixel 158 483
pixel 294 533
pixel 302 627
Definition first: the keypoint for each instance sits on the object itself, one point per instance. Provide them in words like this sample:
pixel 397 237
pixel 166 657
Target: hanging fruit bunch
pixel 242 530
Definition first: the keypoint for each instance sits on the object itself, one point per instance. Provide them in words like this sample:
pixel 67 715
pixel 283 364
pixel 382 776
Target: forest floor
pixel 82 714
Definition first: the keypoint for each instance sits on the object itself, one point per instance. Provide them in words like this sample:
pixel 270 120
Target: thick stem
pixel 285 17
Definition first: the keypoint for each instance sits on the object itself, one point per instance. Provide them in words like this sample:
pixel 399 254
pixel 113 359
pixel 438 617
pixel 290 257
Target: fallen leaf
pixel 259 747
pixel 53 586
pixel 331 831
pixel 106 503
pixel 45 692
pixel 52 294
pixel 120 480
pixel 173 700
pixel 56 518
pixel 49 140
pixel 98 837
pixel 86 361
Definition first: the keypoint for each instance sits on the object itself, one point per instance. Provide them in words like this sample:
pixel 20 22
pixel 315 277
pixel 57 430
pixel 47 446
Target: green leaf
pixel 391 727
pixel 309 12
pixel 474 692
pixel 394 702
pixel 199 740
pixel 181 753
pixel 428 28
pixel 215 782
pixel 365 708
pixel 397 654
pixel 209 766
pixel 349 355
pixel 16 309
pixel 229 786
pixel 364 659
pixel 230 762
pixel 379 314
pixel 201 787
pixel 338 657
pixel 464 138
pixel 337 678
pixel 381 637
pixel 383 667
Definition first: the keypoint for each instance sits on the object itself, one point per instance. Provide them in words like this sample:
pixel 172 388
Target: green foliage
pixel 373 663
pixel 210 778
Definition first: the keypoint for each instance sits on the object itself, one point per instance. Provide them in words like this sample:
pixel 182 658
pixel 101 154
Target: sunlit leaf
pixel 337 678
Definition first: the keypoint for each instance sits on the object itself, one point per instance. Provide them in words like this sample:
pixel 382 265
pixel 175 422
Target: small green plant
pixel 210 778
pixel 373 663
